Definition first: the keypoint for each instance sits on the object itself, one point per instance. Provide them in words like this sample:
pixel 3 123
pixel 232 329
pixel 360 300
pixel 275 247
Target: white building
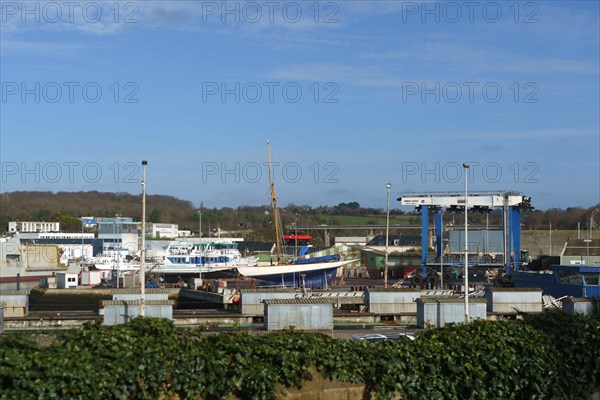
pixel 33 226
pixel 119 233
pixel 65 280
pixel 162 231
pixel 59 235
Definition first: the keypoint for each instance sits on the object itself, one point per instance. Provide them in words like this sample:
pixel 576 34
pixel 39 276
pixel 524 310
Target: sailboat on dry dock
pixel 311 272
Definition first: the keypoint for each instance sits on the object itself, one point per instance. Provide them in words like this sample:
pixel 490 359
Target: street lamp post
pixel 200 242
pixel 387 235
pixel 143 249
pixel 442 252
pixel 115 253
pixel 466 170
pixel 82 225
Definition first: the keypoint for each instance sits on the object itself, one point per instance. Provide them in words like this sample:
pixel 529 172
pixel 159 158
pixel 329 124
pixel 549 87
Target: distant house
pixel 33 226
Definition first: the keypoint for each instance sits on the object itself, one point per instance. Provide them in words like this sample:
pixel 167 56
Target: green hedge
pixel 550 356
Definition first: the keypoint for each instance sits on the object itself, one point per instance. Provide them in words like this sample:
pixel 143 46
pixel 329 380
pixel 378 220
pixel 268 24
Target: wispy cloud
pixel 459 57
pixel 566 133
pixel 371 76
pixel 10 46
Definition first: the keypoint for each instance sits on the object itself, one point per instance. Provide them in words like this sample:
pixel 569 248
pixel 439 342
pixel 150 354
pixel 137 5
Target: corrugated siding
pixel 393 290
pixel 109 303
pixel 444 299
pixel 427 314
pixel 514 301
pixel 576 300
pixel 136 296
pixel 139 291
pixel 305 316
pixel 124 311
pixel 392 302
pixel 14 292
pixel 299 301
pixel 438 311
pixel 252 300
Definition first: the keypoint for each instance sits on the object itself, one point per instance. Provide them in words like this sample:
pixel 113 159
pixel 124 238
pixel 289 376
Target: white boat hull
pixel 257 272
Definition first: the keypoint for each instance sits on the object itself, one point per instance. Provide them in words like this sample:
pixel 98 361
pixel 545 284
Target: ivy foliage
pixel 549 356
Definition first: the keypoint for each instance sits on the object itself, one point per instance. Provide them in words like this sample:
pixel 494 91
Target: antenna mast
pixel 274 203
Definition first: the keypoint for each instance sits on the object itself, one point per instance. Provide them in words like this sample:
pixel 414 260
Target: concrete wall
pixel 538 242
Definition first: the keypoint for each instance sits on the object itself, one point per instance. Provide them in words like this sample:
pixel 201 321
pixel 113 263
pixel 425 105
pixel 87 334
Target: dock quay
pixel 247 308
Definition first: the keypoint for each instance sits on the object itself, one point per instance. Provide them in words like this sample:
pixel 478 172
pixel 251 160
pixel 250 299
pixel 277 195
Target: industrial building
pixel 581 252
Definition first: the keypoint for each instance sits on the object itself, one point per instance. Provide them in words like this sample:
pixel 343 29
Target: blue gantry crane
pixel 511 203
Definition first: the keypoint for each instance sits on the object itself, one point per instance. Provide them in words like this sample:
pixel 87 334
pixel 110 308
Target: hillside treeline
pixel 67 206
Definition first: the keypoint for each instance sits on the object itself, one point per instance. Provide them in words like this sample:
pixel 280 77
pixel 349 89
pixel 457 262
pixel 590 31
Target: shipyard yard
pixel 358 301
pixel 399 281
pixel 292 200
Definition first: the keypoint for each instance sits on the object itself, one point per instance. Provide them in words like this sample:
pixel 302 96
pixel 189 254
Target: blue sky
pixel 351 96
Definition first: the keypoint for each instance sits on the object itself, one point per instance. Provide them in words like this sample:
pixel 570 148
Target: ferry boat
pixel 184 257
pixel 118 261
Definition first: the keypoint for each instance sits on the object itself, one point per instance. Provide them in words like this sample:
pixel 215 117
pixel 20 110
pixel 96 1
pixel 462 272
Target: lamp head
pixel 389 185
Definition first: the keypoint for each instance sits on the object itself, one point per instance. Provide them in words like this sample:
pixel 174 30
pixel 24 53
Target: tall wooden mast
pixel 274 203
